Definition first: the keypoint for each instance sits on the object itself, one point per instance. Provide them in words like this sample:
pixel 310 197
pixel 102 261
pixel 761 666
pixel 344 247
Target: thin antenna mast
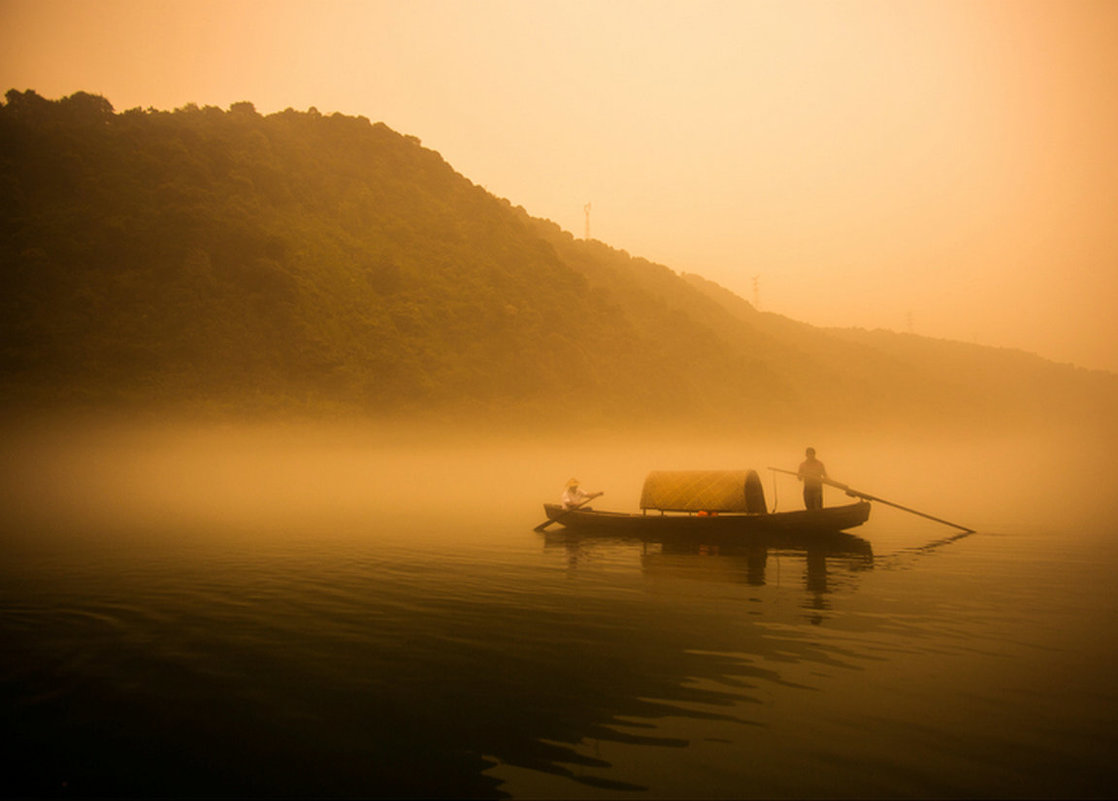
pixel 586 208
pixel 757 292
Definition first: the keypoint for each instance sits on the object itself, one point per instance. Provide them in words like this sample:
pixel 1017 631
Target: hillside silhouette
pixel 232 261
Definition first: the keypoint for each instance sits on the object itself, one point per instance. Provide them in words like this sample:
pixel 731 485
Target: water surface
pixel 304 611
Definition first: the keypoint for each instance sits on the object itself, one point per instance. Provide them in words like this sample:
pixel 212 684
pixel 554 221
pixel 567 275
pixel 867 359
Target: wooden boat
pixel 644 523
pixel 706 504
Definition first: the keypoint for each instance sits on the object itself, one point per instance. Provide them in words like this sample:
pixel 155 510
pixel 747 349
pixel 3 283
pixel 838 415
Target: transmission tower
pixel 586 208
pixel 757 292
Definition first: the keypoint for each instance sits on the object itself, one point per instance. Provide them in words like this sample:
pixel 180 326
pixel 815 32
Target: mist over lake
pixel 354 610
pixel 294 351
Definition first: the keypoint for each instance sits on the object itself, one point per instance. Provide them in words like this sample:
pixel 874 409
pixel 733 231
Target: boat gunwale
pixel 832 518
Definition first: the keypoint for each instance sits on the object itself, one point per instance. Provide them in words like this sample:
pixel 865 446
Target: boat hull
pixel 649 525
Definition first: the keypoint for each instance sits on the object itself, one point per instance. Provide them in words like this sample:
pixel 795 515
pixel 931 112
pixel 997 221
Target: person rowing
pixel 574 495
pixel 812 472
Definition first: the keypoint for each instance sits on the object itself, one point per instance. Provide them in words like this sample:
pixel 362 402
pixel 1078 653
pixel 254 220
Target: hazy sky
pixel 949 166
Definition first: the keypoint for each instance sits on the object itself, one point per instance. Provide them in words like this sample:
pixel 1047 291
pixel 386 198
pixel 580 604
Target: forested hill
pixel 297 261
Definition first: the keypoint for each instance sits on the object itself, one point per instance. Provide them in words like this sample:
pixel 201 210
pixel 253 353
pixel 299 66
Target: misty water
pixel 346 611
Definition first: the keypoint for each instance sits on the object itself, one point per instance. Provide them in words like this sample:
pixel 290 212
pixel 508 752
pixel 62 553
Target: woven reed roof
pixel 703 490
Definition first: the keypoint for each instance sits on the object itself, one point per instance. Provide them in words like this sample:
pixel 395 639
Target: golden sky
pixel 947 165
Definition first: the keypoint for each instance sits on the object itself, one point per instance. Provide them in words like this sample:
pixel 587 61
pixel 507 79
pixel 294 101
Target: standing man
pixel 812 472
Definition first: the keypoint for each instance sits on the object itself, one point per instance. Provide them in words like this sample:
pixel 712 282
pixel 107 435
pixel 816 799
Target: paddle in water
pixel 866 496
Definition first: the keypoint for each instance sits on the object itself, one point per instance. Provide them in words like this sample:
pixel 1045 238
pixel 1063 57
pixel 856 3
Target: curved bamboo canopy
pixel 704 491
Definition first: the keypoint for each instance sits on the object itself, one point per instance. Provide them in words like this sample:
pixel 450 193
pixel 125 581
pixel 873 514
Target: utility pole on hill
pixel 757 292
pixel 586 208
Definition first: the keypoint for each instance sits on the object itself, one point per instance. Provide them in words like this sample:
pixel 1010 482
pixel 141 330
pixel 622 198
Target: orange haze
pixel 943 166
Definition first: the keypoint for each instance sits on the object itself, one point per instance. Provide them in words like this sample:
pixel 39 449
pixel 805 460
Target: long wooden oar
pixel 866 496
pixel 566 512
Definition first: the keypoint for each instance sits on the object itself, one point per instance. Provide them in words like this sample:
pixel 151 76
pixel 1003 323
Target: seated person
pixel 574 495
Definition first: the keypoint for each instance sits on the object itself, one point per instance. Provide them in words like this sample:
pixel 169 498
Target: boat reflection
pixel 829 562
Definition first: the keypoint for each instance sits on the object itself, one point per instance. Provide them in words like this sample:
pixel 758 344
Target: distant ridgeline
pixel 300 261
